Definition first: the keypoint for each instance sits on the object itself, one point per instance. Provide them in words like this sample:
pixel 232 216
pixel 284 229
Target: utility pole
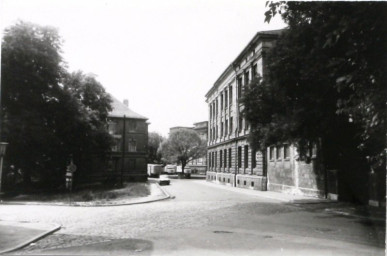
pixel 123 152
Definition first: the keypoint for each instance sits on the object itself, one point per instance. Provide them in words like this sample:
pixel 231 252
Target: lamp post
pixel 3 147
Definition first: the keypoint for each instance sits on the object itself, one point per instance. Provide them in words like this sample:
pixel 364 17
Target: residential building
pixel 130 132
pixel 231 159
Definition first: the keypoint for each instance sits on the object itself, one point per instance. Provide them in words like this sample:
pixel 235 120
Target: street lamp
pixel 3 147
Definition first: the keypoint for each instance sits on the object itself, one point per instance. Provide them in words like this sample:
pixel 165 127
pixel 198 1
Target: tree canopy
pixel 154 142
pixel 183 146
pixel 48 113
pixel 326 78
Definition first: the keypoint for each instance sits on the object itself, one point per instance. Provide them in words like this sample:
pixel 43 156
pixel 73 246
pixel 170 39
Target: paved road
pixel 203 219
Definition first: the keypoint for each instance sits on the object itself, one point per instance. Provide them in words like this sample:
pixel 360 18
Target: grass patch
pixel 90 193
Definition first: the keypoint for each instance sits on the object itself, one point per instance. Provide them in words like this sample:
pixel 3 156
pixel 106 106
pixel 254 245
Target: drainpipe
pixel 236 127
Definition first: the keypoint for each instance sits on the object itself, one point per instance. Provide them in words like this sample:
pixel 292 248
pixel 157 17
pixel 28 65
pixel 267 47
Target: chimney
pixel 126 102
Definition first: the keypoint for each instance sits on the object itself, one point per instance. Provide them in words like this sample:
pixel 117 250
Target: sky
pixel 161 55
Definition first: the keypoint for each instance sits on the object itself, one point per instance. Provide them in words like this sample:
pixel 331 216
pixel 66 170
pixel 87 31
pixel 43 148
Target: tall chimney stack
pixel 126 102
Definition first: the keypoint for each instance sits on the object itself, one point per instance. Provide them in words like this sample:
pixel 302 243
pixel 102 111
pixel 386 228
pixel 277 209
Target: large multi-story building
pixel 231 160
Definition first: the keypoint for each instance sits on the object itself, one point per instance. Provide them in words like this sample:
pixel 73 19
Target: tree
pixel 183 146
pixel 154 142
pixel 325 84
pixel 48 114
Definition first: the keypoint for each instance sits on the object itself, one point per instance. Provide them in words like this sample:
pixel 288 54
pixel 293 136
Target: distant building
pixel 129 152
pixel 197 165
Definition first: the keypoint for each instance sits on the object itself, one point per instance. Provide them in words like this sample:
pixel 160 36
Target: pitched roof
pixel 119 109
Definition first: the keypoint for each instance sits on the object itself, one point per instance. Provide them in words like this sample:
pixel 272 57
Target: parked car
pixel 170 169
pixel 164 180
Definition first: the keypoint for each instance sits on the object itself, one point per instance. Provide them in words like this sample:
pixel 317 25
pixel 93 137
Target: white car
pixel 164 180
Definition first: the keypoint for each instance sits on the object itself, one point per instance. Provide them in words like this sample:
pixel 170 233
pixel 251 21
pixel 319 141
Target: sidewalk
pixel 15 235
pixel 330 206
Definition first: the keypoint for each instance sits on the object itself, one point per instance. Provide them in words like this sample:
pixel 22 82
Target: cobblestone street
pixel 203 217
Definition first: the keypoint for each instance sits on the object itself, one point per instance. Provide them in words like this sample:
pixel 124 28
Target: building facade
pixel 231 159
pixel 129 152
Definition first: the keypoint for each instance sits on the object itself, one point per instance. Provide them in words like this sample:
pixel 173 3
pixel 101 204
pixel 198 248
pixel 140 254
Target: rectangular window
pixel 210 111
pixel 230 96
pixel 246 156
pixel 225 99
pixel 225 158
pixel 239 157
pixel 216 107
pixel 229 157
pixel 216 132
pixel 231 124
pixel 213 159
pixel 132 125
pixel 239 84
pixel 246 125
pixel 112 127
pixel 247 80
pixel 226 127
pixel 216 159
pixel 221 102
pixel 278 153
pixel 132 146
pixel 286 151
pixel 255 70
pixel 220 158
pixel 221 129
pixel 209 159
pixel 271 153
pixel 240 123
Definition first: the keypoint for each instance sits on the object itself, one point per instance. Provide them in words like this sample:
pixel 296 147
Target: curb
pixel 38 237
pixel 166 196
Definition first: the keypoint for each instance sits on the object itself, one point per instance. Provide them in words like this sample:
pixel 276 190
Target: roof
pixel 119 109
pixel 258 36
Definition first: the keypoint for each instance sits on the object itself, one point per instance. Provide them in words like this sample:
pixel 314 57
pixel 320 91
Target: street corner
pixel 17 234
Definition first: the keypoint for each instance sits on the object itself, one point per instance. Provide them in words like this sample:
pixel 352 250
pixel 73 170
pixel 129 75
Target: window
pixel 132 146
pixel 231 123
pixel 225 99
pixel 239 157
pixel 247 77
pixel 271 153
pixel 112 127
pixel 221 102
pixel 286 151
pixel 246 125
pixel 246 156
pixel 225 158
pixel 229 157
pixel 216 133
pixel 216 107
pixel 230 96
pixel 226 128
pixel 210 111
pixel 239 85
pixel 213 159
pixel 221 129
pixel 115 147
pixel 132 125
pixel 278 153
pixel 220 158
pixel 209 159
pixel 240 123
pixel 255 70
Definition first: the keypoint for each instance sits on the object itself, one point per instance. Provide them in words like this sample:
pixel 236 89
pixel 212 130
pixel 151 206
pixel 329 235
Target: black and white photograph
pixel 193 127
